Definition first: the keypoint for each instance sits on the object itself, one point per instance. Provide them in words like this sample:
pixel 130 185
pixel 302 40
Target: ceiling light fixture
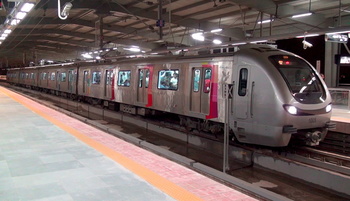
pixel 243 43
pixel 302 15
pixel 27 7
pixel 258 41
pixel 308 35
pixel 265 21
pixel 217 41
pixel 20 15
pixel 198 36
pixel 216 30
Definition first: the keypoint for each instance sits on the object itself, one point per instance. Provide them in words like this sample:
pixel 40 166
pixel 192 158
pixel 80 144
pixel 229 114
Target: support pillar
pixel 331 70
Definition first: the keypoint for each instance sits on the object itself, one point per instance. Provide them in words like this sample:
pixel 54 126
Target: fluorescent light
pixel 216 30
pixel 216 41
pixel 87 56
pixel 21 15
pixel 308 35
pixel 265 21
pixel 7 31
pixel 98 57
pixel 239 43
pixel 198 36
pixel 4 35
pixel 15 22
pixel 302 15
pixel 259 41
pixel 27 7
pixel 134 49
pixel 339 32
pixel 2 38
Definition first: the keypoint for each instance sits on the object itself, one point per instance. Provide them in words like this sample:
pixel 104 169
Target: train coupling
pixel 313 138
pixel 330 125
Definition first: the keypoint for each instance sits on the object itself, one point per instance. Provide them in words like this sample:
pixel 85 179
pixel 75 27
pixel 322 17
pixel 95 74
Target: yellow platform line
pixel 153 178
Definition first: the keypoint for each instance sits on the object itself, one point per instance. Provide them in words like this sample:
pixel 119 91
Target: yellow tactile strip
pixel 153 178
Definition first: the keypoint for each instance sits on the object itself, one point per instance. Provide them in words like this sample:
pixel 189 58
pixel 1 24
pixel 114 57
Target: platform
pixel 46 155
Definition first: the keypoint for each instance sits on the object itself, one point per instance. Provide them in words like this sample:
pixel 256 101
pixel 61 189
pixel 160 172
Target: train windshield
pixel 301 79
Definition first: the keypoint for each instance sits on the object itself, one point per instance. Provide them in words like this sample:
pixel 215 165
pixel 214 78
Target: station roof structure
pixel 153 25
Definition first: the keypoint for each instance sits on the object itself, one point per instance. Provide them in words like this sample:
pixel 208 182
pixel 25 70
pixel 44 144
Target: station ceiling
pixel 99 24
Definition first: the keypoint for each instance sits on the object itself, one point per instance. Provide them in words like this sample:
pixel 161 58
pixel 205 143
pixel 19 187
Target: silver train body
pixel 267 94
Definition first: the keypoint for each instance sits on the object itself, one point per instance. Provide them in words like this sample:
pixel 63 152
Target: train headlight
pixel 329 108
pixel 291 109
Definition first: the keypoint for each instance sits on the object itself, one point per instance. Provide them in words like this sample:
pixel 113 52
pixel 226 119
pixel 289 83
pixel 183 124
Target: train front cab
pixel 263 96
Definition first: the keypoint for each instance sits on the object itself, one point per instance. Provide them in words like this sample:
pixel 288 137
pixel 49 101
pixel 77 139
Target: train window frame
pixel 53 76
pixel 141 75
pixel 108 76
pixel 168 79
pixel 304 84
pixel 207 80
pixel 43 76
pixel 63 77
pixel 124 78
pixel 196 80
pixel 147 78
pixel 243 83
pixel 96 77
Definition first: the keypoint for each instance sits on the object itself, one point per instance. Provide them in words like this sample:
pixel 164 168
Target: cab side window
pixel 243 80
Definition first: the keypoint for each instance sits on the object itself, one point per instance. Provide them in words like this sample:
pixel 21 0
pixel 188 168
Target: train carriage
pixel 275 94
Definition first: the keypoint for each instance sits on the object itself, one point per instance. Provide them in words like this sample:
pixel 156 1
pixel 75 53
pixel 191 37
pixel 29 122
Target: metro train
pixel 268 95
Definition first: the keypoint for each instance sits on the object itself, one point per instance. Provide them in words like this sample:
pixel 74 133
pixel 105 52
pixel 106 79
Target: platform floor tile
pixel 40 161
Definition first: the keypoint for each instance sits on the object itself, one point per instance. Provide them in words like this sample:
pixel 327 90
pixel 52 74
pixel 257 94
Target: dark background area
pixel 316 52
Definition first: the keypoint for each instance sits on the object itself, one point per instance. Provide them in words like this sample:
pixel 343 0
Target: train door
pixel 143 84
pixel 85 81
pixel 58 82
pixel 108 86
pixel 200 89
pixel 70 80
pixel 241 103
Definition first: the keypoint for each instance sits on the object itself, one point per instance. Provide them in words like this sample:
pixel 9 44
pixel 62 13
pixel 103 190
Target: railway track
pixel 332 161
pixel 337 143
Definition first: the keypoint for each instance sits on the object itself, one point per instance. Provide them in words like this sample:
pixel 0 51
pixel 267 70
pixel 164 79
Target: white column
pixel 331 69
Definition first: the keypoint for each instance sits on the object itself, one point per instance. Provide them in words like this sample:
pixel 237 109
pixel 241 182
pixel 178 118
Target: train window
pixel 109 75
pixel 168 79
pixel 147 79
pixel 43 76
pixel 196 78
pixel 243 80
pixel 27 75
pixel 70 76
pixel 63 77
pixel 96 77
pixel 207 81
pixel 301 79
pixel 32 76
pixel 124 78
pixel 53 76
pixel 140 77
